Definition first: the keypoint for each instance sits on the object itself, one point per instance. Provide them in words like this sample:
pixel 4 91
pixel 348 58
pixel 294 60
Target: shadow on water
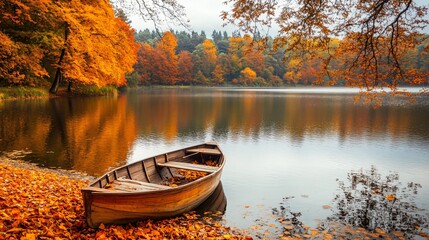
pixel 367 204
pixel 215 203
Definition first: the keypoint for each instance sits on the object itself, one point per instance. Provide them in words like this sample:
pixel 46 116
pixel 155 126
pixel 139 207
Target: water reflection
pixel 215 203
pixel 93 134
pixel 291 225
pixel 277 143
pixel 371 201
pixel 81 134
pixel 367 204
pixel 170 114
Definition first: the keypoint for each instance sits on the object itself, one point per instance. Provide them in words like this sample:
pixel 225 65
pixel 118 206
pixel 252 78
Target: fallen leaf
pixel 390 197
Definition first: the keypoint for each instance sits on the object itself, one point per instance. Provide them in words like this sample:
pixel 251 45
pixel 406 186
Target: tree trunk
pixel 69 87
pixel 58 73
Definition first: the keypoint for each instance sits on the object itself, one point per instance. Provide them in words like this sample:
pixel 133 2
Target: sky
pixel 203 15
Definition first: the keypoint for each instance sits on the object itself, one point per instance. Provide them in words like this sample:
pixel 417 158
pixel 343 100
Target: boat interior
pixel 163 171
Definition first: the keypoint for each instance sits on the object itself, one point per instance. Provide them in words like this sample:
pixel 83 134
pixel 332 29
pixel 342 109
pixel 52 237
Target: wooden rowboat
pixel 158 187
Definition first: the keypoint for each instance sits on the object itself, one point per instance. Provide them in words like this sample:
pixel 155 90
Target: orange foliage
pixel 210 51
pixel 247 76
pixel 218 75
pixel 40 204
pixel 185 65
pixel 154 66
pixel 168 45
pixel 162 61
pixel 377 34
pixel 100 48
pixel 16 67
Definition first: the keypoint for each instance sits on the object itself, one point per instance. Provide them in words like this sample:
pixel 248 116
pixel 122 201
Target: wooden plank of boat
pixel 129 185
pixel 189 166
pixel 143 184
pixel 211 151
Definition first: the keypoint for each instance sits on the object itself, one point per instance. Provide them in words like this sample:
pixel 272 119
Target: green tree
pixel 206 57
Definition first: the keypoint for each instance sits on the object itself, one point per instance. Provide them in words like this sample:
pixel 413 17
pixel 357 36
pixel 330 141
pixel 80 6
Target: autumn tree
pixel 99 48
pixel 167 58
pixel 200 78
pixel 144 67
pixel 218 75
pixel 247 76
pixel 377 35
pixel 159 64
pixel 206 57
pixel 224 62
pixel 186 66
pixel 253 55
pixel 28 30
pixel 82 40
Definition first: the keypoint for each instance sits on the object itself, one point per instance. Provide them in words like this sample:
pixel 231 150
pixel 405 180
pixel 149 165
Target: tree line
pixel 89 42
pixel 192 58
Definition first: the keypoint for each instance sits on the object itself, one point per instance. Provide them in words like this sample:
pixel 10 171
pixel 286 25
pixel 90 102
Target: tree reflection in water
pixel 367 205
pixel 292 225
pixel 371 201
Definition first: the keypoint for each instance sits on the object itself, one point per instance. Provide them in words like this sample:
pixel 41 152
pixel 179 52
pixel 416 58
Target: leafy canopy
pixel 377 32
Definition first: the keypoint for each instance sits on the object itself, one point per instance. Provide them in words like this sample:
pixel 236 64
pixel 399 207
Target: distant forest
pixel 192 58
pixel 83 42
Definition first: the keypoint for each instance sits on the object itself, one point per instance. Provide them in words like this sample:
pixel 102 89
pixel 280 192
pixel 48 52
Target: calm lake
pixel 285 148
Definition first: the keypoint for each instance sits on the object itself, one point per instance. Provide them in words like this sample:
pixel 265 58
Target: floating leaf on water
pixel 288 227
pixel 390 197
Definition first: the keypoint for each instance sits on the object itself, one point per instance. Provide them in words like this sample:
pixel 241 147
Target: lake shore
pixel 39 203
pixel 21 93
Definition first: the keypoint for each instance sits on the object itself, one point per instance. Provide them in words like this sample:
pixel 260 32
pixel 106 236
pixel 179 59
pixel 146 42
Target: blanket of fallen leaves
pixel 37 203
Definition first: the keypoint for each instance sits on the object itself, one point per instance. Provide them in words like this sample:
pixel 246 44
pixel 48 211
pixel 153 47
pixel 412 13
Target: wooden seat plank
pixel 211 151
pixel 189 166
pixel 130 187
pixel 144 184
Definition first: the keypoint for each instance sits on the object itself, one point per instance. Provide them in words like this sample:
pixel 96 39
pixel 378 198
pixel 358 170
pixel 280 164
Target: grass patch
pixel 22 92
pixel 95 91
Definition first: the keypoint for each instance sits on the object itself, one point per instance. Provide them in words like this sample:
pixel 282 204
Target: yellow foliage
pixel 168 45
pixel 100 47
pixel 209 49
pixel 248 73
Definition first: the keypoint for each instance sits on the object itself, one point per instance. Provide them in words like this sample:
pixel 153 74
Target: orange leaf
pixel 390 197
pixel 29 236
pixel 101 226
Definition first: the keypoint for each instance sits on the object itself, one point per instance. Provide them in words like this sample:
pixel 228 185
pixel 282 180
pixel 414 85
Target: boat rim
pixel 157 190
